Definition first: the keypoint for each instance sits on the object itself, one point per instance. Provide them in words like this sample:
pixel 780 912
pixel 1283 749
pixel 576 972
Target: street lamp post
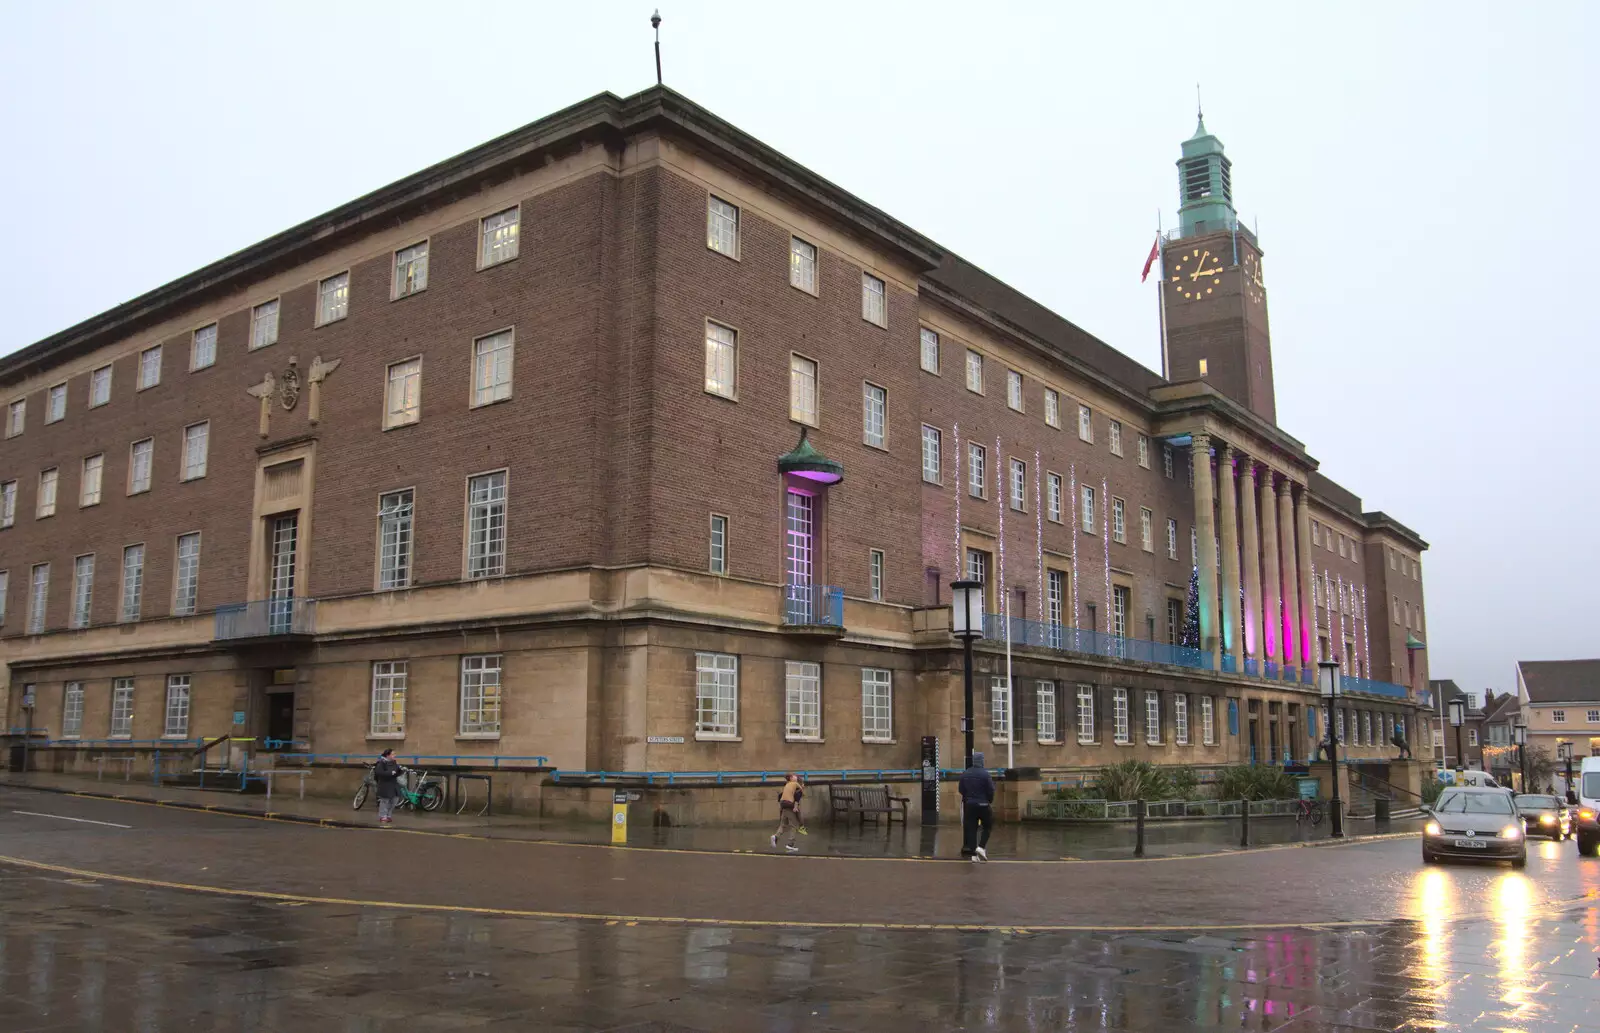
pixel 1519 735
pixel 1458 717
pixel 966 623
pixel 1328 683
pixel 1564 754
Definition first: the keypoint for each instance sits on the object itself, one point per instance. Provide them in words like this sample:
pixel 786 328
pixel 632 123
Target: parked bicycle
pixel 428 794
pixel 1309 810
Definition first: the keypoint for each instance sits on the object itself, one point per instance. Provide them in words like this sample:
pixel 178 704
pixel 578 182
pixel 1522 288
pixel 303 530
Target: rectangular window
pixel 1208 721
pixel 1144 451
pixel 491 367
pixel 16 417
pixel 1152 718
pixel 498 237
pixel 480 695
pixel 411 270
pixel 1472 736
pixel 874 304
pixel 874 415
pixel 978 566
pixel 203 348
pixel 486 525
pixel 122 708
pixel 1014 389
pixel 722 226
pixel 1119 530
pixel 802 265
pixel 1557 716
pixel 333 299
pixel 1087 514
pixel 930 351
pixel 1000 709
pixel 1045 711
pixel 974 371
pixel 132 582
pixel 977 469
pixel 1019 484
pixel 72 710
pixel 176 725
pixel 5 589
pixel 38 597
pixel 100 386
pixel 1052 408
pixel 1085 714
pixel 802 700
pixel 48 479
pixel 140 454
pixel 1166 461
pixel 89 486
pixel 802 390
pixel 1316 533
pixel 1146 531
pixel 264 324
pixel 1121 603
pixel 82 590
pixel 388 698
pixel 1119 716
pixel 186 575
pixel 55 406
pixel 1085 424
pixel 1592 716
pixel 395 537
pixel 150 367
pixel 1055 593
pixel 716 696
pixel 1053 496
pixel 877 705
pixel 930 454
pixel 719 544
pixel 1341 546
pixel 403 395
pixel 722 353
pixel 1116 437
pixel 875 574
pixel 8 503
pixel 196 445
pixel 1172 539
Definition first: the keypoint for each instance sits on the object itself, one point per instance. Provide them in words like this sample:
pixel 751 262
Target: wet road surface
pixel 1359 937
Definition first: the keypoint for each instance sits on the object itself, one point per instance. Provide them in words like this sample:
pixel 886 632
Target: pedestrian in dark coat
pixel 386 773
pixel 977 809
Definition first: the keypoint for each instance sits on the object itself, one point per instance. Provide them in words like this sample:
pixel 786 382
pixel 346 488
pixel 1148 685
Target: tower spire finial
pixel 1199 109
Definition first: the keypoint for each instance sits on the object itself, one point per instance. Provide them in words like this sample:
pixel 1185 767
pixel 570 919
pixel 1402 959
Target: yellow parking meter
pixel 619 817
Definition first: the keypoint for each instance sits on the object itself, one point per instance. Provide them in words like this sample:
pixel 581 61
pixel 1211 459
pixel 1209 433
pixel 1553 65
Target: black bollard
pixel 1244 823
pixel 1138 829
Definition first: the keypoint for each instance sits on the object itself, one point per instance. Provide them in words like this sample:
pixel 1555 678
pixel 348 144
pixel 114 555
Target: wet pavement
pixel 115 916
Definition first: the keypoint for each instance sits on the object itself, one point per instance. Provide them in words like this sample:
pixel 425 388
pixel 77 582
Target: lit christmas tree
pixel 1191 614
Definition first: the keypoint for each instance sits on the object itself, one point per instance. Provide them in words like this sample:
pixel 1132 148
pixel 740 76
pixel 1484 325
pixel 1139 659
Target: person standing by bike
pixel 386 773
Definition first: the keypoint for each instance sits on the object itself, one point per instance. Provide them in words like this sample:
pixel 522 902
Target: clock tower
pixel 1214 299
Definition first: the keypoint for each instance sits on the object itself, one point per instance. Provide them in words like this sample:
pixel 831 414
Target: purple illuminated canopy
pixel 805 461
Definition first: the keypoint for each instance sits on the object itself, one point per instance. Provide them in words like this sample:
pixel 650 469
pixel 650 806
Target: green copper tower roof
pixel 1205 184
pixel 805 461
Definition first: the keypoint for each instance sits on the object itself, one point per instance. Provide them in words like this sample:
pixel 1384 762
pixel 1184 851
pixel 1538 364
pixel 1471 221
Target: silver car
pixel 1479 823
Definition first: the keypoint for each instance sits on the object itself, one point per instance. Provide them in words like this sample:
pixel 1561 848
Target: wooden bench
pixel 866 800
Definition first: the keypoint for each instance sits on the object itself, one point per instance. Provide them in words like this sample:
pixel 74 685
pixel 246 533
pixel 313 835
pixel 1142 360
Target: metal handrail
pixel 1365 777
pixel 491 761
pixel 758 777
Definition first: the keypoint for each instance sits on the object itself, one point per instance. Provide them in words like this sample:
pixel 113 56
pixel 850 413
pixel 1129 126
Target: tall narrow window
pixel 1120 605
pixel 1208 721
pixel 1147 537
pixel 282 571
pixel 1052 408
pixel 802 389
pixel 264 324
pixel 1086 714
pixel 72 710
pixel 1053 496
pixel 1014 389
pixel 1172 539
pixel 1087 514
pixel 82 590
pixel 89 485
pixel 38 597
pixel 48 479
pixel 498 236
pixel 8 502
pixel 1180 718
pixel 16 417
pixel 1119 716
pixel 716 696
pixel 719 544
pixel 1116 437
pixel 132 582
pixel 1174 622
pixel 874 303
pixel 1000 709
pixel 877 705
pixel 333 299
pixel 1119 531
pixel 186 575
pixel 1144 451
pixel 394 539
pixel 802 265
pixel 799 535
pixel 930 351
pixel 196 445
pixel 122 708
pixel 1085 424
pixel 411 269
pixel 978 566
pixel 100 386
pixel 150 367
pixel 491 367
pixel 875 574
pixel 486 525
pixel 977 469
pixel 1152 718
pixel 874 415
pixel 55 406
pixel 1166 461
pixel 930 455
pixel 388 713
pixel 176 725
pixel 1019 484
pixel 5 589
pixel 140 454
pixel 802 700
pixel 722 352
pixel 974 371
pixel 403 404
pixel 722 226
pixel 1055 593
pixel 1045 710
pixel 480 695
pixel 203 348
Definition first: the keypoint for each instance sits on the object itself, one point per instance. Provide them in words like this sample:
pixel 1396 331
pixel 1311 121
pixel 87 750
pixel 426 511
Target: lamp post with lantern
pixel 1458 717
pixel 1564 754
pixel 966 623
pixel 1328 685
pixel 1519 735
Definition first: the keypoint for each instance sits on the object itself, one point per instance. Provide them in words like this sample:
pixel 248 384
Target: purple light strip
pixel 961 567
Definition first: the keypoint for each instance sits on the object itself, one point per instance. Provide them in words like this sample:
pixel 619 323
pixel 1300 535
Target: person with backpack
pixel 977 809
pixel 386 774
pixel 789 812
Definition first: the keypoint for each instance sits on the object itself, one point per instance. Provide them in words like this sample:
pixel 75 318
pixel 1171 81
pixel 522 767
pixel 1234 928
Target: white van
pixel 1479 779
pixel 1586 823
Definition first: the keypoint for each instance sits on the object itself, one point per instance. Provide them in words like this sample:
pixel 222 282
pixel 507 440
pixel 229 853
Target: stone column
pixel 1271 587
pixel 1253 640
pixel 1290 576
pixel 1205 522
pixel 1308 611
pixel 1228 513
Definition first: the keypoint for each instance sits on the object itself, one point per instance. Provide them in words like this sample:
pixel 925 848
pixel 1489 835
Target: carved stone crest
pixel 289 386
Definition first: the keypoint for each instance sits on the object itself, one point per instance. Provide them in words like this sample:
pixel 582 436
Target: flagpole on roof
pixel 1161 300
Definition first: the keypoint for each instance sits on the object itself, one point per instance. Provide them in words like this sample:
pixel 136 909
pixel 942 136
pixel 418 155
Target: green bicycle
pixel 427 796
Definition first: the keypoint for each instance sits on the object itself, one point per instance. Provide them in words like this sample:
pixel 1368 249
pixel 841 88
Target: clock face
pixel 1195 274
pixel 1254 285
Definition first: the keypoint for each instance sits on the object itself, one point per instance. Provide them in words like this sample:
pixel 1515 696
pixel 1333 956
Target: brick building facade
pixel 488 462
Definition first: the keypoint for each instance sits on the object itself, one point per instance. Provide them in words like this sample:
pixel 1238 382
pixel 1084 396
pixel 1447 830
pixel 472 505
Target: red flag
pixel 1155 252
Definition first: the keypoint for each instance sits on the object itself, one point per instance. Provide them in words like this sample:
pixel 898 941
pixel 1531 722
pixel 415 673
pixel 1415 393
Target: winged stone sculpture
pixel 319 372
pixel 263 392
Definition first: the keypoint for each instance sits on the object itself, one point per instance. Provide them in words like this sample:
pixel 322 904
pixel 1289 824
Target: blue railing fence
pixel 265 617
pixel 813 606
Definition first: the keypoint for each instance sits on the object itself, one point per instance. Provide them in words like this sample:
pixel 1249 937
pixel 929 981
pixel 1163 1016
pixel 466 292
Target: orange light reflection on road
pixel 1513 898
pixel 1435 904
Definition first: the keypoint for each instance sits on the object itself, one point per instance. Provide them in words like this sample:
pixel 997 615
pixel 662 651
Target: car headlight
pixel 1432 829
pixel 1585 815
pixel 1547 819
pixel 1511 832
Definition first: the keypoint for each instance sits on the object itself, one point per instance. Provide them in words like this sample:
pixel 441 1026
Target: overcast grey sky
pixel 1414 170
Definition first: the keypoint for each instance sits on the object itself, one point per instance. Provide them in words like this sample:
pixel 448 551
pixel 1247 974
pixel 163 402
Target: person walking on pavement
pixel 977 810
pixel 386 773
pixel 789 813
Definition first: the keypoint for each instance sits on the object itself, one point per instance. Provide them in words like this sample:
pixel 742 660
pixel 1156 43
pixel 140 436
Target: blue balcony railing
pixel 810 606
pixel 1272 670
pixel 266 617
pixel 1042 635
pixel 1348 683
